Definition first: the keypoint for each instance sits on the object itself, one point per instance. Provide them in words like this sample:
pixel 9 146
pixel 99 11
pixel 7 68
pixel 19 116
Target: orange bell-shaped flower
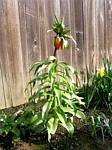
pixel 57 42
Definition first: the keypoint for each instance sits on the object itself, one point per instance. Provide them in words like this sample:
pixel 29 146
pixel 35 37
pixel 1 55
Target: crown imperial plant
pixel 53 85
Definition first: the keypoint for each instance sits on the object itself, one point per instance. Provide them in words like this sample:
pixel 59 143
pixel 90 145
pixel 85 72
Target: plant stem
pixel 54 54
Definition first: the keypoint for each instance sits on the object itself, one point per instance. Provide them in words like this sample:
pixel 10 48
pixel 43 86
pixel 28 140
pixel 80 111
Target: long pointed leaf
pixel 45 109
pixel 52 125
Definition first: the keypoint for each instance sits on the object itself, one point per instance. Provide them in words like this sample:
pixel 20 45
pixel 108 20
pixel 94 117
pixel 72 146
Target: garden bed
pixel 81 139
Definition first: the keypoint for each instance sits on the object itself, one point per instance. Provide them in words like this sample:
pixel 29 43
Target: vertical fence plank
pixel 49 13
pixel 91 32
pixel 4 59
pixel 79 32
pixel 14 52
pixel 95 50
pixel 23 34
pixel 108 28
pixel 85 30
pixel 72 20
pixel 42 29
pixel 2 91
pixel 101 31
pixel 31 35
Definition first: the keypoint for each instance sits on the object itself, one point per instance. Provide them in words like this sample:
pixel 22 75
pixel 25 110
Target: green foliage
pixel 103 88
pixel 8 125
pixel 97 88
pixel 21 123
pixel 99 124
pixel 53 85
pixel 60 29
pixel 28 120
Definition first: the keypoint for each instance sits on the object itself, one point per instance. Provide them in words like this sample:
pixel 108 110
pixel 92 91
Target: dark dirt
pixel 62 141
pixel 80 141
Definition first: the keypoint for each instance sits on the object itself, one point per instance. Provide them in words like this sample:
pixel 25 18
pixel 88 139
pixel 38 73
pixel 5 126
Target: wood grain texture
pixel 24 39
pixel 4 58
pixel 17 73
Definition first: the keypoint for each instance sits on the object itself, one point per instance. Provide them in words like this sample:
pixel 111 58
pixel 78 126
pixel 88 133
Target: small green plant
pixel 21 124
pixel 53 85
pixel 99 124
pixel 97 88
pixel 103 85
pixel 28 120
pixel 8 126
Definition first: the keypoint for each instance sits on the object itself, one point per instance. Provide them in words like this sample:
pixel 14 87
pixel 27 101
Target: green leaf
pixel 35 65
pixel 50 67
pixel 32 82
pixel 17 133
pixel 51 58
pixel 61 115
pixel 62 64
pixel 67 101
pixel 1 131
pixel 55 103
pixel 45 109
pixel 42 76
pixel 41 68
pixel 68 95
pixel 80 114
pixel 62 77
pixel 68 110
pixel 58 95
pixel 78 98
pixel 36 95
pixel 36 120
pixel 70 128
pixel 52 125
pixel 49 136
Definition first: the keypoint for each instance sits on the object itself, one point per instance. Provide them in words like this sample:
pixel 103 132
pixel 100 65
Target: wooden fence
pixel 24 38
